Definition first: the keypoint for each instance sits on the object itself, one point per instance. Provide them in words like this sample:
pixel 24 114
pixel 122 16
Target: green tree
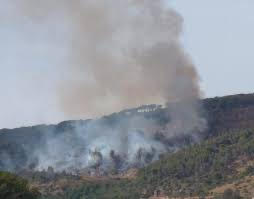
pixel 14 187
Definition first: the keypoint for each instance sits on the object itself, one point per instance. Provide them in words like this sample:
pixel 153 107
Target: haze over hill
pixel 119 141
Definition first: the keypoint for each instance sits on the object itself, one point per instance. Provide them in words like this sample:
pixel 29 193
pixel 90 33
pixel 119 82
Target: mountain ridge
pixel 227 144
pixel 222 114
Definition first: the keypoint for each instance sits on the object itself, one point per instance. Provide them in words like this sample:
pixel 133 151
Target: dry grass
pixel 245 186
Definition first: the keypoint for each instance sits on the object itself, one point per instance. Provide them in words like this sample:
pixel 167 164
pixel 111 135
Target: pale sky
pixel 218 35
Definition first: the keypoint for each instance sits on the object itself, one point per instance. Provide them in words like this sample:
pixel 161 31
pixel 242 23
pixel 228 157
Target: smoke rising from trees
pixel 119 54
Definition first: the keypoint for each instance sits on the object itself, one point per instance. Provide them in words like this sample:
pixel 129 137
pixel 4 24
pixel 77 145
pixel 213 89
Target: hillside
pixel 211 169
pixel 197 170
pixel 19 147
pixel 219 160
pixel 229 112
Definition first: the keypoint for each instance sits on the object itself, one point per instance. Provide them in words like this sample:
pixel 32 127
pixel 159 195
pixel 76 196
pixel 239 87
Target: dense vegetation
pixel 14 187
pixel 222 113
pixel 198 169
pixel 193 171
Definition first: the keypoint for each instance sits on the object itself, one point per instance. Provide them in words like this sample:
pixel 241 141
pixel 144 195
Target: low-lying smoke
pixel 120 54
pixel 115 143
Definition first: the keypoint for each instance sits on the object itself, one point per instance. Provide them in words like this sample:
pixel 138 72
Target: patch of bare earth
pixel 57 187
pixel 245 186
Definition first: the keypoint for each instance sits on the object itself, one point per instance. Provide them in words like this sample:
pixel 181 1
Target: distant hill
pixel 220 166
pixel 222 113
pixel 229 113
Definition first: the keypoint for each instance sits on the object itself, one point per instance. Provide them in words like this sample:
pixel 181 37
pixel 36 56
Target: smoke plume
pixel 119 54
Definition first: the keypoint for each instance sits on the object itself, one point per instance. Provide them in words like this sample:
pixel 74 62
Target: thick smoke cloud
pixel 120 54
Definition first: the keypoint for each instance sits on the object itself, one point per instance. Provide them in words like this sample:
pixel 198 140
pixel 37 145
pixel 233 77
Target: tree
pixel 14 187
pixel 230 194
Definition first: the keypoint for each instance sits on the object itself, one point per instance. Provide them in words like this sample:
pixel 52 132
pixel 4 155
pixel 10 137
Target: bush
pixel 14 187
pixel 230 194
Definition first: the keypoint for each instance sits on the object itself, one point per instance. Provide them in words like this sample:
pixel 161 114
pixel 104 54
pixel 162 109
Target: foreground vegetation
pixel 14 187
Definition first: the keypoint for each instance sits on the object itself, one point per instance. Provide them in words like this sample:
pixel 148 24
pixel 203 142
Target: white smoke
pixel 119 54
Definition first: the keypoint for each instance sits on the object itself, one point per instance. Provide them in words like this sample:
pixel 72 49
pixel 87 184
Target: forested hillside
pixel 229 112
pixel 222 114
pixel 197 171
pixel 220 165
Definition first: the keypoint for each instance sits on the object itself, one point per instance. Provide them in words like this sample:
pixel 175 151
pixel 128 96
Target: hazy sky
pixel 217 34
